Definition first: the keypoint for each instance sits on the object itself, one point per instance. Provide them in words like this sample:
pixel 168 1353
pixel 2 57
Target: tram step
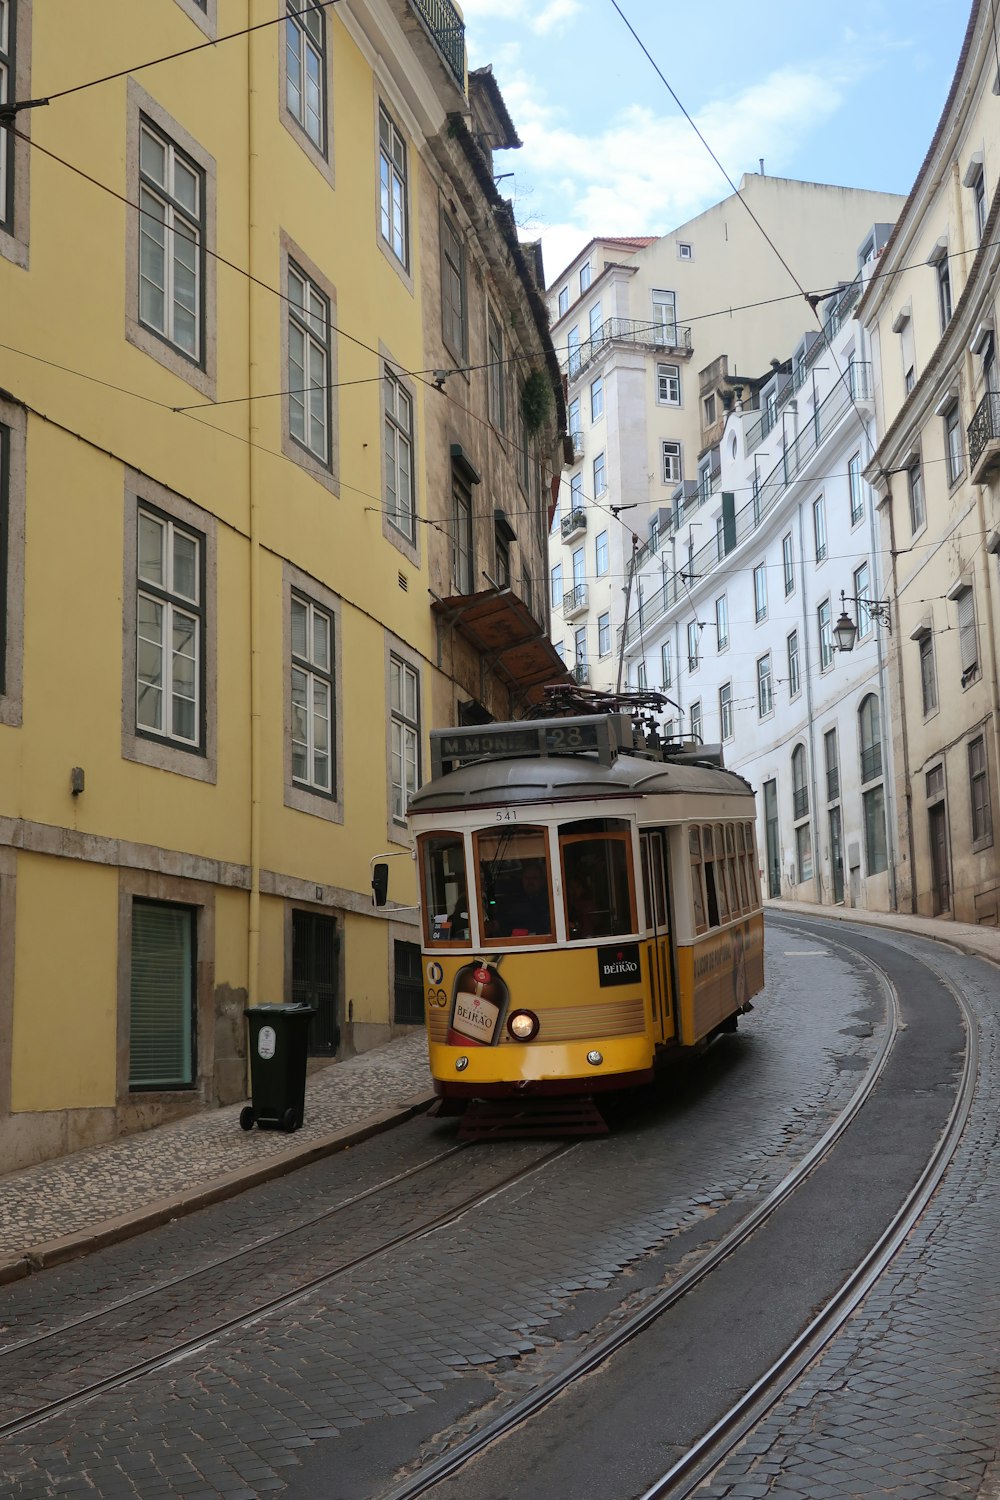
pixel 507 1119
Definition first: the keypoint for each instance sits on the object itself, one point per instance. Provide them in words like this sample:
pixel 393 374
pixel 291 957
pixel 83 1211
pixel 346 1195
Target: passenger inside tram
pixel 522 908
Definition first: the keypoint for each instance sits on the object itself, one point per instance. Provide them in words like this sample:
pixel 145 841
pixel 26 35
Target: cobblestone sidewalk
pixel 111 1190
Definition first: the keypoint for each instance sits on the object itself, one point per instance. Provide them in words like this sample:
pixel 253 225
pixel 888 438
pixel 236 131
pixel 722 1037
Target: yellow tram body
pixel 585 909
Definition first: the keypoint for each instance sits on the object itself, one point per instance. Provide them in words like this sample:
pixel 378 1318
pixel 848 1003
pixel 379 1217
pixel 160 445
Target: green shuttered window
pixel 161 1036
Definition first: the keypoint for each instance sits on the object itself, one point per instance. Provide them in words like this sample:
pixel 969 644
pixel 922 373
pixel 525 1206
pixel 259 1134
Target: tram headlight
pixel 595 1058
pixel 522 1025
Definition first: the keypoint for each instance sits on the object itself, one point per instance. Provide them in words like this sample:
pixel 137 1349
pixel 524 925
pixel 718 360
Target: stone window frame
pixel 203 374
pixel 985 839
pixel 301 798
pixel 13 500
pixel 387 101
pixel 199 763
pixel 396 828
pixel 204 14
pixel 327 474
pixel 8 898
pixel 322 159
pixel 199 896
pixel 14 241
pixel 409 548
pixel 458 262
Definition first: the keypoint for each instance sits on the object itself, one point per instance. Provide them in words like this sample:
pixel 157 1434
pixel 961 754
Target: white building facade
pixel 735 603
pixel 652 335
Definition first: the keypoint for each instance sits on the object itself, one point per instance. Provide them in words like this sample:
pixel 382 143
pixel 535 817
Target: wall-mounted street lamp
pixel 845 632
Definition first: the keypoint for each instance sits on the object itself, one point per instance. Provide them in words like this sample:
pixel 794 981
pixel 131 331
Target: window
pixel 870 738
pixel 915 485
pixel 501 553
pixel 584 277
pixel 600 479
pixel 928 675
pixel 665 317
pixel 399 456
pixel 854 481
pixel 556 585
pixel 305 68
pixel 794 684
pixel 404 704
pixel 862 596
pixel 312 696
pixel 497 384
pixel 696 724
pixel 684 250
pixel 787 563
pixel 604 634
pixel 560 650
pixel 597 400
pixel 514 884
pixel 722 622
pixel 667 664
pixel 708 407
pixel 944 291
pixel 573 417
pixel 573 350
pixel 819 528
pixel 162 997
pixel 594 320
pixel 580 645
pixel 393 201
pixel 171 242
pixel 765 702
pixel 579 568
pixel 13 428
pixel 760 592
pixel 596 861
pixel 825 636
pixel 832 765
pixel 705 478
pixel 444 889
pixel 308 364
pixel 909 379
pixel 454 328
pixel 601 551
pixel 693 635
pixel 979 790
pixel 640 676
pixel 954 456
pixel 169 631
pixel 576 492
pixel 803 853
pixel 671 453
pixel 563 300
pixel 8 90
pixel 462 556
pixel 800 789
pixel 726 710
pixel 980 207
pixel 873 805
pixel 668 385
pixel 968 640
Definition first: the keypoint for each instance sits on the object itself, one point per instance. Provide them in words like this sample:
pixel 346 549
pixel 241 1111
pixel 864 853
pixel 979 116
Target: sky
pixel 848 95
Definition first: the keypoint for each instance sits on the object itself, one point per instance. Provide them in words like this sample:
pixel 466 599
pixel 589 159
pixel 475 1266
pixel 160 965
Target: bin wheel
pixel 246 1117
pixel 289 1120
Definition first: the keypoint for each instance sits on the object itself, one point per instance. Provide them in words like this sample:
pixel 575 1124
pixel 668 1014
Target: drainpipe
pixel 253 926
pixel 814 804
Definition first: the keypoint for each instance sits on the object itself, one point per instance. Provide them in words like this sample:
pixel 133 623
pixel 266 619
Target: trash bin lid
pixel 280 1010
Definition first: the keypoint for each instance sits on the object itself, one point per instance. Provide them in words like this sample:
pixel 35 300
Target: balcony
pixel 447 28
pixel 576 438
pixel 581 674
pixel 573 525
pixel 575 601
pixel 666 337
pixel 984 438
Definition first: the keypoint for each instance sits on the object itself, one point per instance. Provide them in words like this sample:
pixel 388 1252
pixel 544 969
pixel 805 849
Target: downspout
pixel 814 804
pixel 253 927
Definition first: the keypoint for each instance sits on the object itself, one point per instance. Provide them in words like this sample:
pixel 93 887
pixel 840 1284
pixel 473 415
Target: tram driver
pixel 525 910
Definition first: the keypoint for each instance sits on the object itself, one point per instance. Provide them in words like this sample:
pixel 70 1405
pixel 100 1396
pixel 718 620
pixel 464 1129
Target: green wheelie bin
pixel 278 1047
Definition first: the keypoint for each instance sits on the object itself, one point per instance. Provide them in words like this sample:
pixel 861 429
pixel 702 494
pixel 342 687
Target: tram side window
pixel 732 886
pixel 446 895
pixel 714 880
pixel 597 862
pixel 741 871
pixel 697 879
pixel 514 885
pixel 753 874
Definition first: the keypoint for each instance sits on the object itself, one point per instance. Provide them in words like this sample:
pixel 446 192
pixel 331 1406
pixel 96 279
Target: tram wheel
pixel 246 1117
pixel 289 1120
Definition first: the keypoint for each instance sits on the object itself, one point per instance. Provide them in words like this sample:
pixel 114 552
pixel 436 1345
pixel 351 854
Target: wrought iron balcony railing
pixel 448 30
pixel 833 784
pixel 984 437
pixel 575 601
pixel 574 523
pixel 665 336
pixel 581 674
pixel 576 438
pixel 871 763
pixel 800 802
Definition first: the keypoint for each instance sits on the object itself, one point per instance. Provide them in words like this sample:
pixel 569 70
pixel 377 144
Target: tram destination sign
pixel 600 735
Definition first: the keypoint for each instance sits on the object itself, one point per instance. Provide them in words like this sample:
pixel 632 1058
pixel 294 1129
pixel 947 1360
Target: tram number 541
pixel 506 815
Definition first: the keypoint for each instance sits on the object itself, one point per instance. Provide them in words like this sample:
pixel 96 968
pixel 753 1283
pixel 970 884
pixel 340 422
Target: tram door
pixel 655 891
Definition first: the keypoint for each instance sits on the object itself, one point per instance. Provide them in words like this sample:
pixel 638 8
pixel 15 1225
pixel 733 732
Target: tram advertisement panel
pixel 725 969
pixel 479 1002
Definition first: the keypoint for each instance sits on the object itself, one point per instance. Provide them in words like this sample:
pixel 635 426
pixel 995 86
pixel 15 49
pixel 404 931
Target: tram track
pixel 261 1308
pixel 702 1457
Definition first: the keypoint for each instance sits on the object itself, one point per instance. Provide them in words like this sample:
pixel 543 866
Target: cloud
pixel 551 17
pixel 647 172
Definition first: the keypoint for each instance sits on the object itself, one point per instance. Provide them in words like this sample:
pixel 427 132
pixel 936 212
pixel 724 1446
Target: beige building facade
pixel 931 312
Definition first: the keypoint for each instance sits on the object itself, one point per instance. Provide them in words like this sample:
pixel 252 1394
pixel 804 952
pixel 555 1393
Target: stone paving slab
pixel 74 1203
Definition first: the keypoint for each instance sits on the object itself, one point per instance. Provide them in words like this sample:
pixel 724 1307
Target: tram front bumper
pixel 530 1067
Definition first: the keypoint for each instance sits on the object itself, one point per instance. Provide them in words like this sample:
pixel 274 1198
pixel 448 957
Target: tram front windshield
pixel 514 884
pixel 596 858
pixel 446 899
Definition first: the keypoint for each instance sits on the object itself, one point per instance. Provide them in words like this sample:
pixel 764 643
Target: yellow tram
pixel 586 907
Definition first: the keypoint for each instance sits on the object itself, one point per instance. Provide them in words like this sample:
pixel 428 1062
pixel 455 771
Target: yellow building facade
pixel 219 659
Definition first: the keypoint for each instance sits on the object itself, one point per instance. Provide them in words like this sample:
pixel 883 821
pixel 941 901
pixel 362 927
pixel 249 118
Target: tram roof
pixel 563 778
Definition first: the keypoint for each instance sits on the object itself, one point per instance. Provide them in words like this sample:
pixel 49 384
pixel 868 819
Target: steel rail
pixel 185 1347
pixel 710 1451
pixel 528 1406
pixel 224 1260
